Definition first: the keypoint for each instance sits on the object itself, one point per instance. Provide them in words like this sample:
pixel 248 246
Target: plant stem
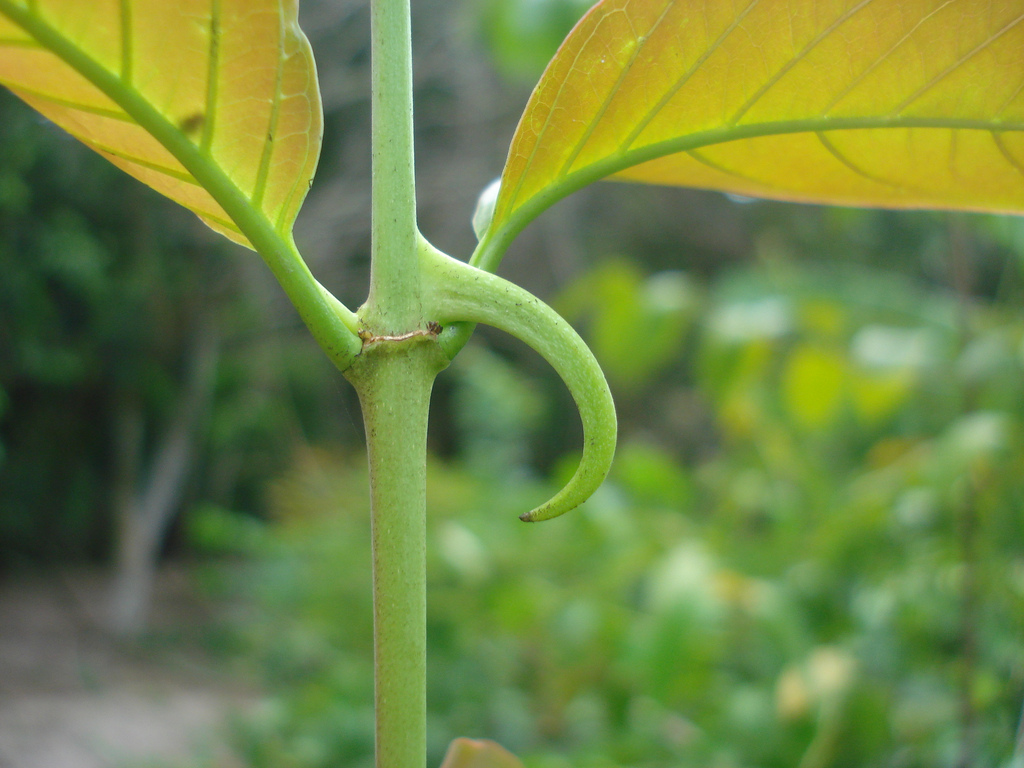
pixel 393 375
pixel 394 379
pixel 393 304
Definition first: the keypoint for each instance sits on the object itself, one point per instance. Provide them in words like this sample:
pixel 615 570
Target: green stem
pixel 394 378
pixel 393 305
pixel 393 375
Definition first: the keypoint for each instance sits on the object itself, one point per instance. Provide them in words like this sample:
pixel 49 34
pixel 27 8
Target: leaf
pixel 889 103
pixel 478 753
pixel 213 103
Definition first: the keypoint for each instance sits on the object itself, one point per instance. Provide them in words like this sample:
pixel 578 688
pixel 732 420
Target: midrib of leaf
pixel 490 250
pixel 248 219
pixel 332 323
pixel 818 124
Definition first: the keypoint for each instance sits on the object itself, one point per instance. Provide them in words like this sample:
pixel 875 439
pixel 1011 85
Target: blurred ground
pixel 71 697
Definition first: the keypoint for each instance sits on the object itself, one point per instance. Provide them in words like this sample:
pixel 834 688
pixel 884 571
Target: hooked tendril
pixel 457 292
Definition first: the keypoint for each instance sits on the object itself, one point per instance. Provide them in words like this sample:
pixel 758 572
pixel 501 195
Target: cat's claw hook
pixel 455 291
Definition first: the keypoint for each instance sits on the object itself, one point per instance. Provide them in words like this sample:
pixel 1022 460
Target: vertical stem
pixel 394 379
pixel 393 375
pixel 393 304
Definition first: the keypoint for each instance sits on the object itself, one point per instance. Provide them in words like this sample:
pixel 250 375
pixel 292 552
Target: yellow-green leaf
pixel 889 103
pixel 479 753
pixel 213 103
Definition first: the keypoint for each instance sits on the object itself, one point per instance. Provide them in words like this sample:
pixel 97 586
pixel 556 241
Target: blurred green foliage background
pixel 809 552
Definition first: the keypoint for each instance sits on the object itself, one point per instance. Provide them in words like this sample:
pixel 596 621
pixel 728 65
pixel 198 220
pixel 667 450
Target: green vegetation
pixel 823 414
pixel 833 578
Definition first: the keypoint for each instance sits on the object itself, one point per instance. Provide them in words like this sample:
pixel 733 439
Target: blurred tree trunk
pixel 147 499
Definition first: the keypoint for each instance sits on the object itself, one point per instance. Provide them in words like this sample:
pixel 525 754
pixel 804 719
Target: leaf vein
pixel 617 163
pixel 113 114
pixel 703 159
pixel 1017 165
pixel 19 42
pixel 300 181
pixel 142 162
pixel 1011 98
pixel 641 41
pixel 641 124
pixel 212 79
pixel 882 59
pixel 833 150
pixel 800 56
pixel 955 65
pixel 547 122
pixel 226 223
pixel 263 174
pixel 126 42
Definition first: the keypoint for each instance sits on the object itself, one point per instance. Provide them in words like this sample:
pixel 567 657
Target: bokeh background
pixel 809 552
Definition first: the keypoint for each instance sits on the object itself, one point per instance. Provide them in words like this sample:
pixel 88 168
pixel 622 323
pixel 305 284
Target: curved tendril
pixel 454 291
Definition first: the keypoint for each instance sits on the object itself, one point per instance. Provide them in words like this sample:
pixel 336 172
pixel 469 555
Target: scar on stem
pixel 431 331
